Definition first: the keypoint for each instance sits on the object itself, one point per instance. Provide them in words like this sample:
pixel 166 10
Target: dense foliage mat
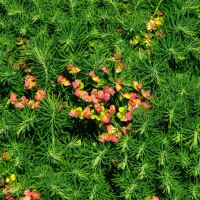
pixel 139 60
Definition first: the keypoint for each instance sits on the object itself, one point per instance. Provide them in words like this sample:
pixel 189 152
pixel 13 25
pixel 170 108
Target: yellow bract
pixel 12 178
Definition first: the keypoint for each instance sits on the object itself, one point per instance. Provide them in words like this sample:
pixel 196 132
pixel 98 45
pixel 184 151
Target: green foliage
pixel 61 158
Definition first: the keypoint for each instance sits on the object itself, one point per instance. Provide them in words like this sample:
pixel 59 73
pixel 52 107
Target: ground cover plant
pixel 99 99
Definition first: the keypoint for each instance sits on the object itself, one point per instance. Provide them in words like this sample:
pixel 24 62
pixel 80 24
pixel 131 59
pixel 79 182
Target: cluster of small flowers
pixel 155 21
pixel 71 70
pixel 30 82
pixel 99 109
pixel 29 195
pixel 8 184
pixel 152 198
pixel 119 64
pixel 124 113
pixel 155 198
pixel 8 181
pixel 114 134
pixel 146 38
pixel 6 155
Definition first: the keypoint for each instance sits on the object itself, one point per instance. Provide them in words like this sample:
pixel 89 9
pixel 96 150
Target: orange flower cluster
pixel 152 197
pixel 72 69
pixel 120 66
pixel 146 38
pixel 112 134
pixel 98 102
pixel 6 155
pixel 94 77
pixel 63 81
pixel 118 85
pixel 40 94
pixel 155 198
pixel 6 193
pixel 30 82
pixel 105 70
pixel 7 184
pixel 29 195
pixel 156 21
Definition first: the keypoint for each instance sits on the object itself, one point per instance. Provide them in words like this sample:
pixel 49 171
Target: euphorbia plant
pixel 105 103
pixel 28 195
pixel 153 30
pixel 30 84
pixel 8 184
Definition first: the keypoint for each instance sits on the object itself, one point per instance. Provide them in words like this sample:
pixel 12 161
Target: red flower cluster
pixel 112 134
pixel 78 84
pixel 98 106
pixel 108 137
pixel 105 70
pixel 30 195
pixel 155 198
pixel 72 69
pixel 40 94
pixel 30 82
pixel 97 98
pixel 94 77
pixel 63 81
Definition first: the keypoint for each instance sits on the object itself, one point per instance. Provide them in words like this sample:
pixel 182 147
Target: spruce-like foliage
pixel 61 157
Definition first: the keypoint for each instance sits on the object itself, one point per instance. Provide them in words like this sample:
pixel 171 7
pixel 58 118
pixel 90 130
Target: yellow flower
pixel 72 69
pixel 135 40
pixel 158 20
pixel 137 86
pixel 126 95
pixel 122 109
pixel 7 180
pixel 151 25
pixel 13 177
pixel 120 67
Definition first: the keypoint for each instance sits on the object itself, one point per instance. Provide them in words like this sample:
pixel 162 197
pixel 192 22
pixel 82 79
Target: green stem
pixel 52 138
pixel 157 7
pixel 137 4
pixel 117 125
